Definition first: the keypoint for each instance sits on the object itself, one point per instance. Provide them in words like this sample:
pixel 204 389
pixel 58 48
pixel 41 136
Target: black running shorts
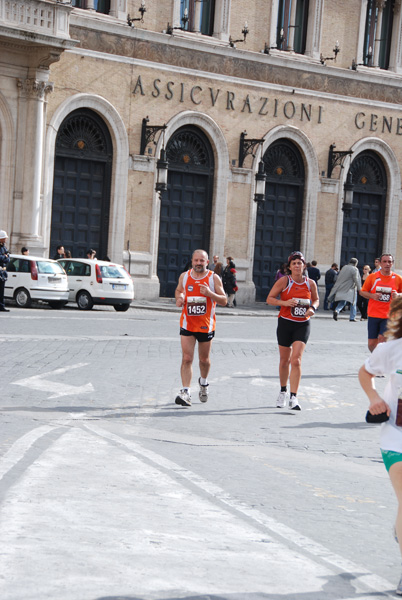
pixel 292 331
pixel 200 336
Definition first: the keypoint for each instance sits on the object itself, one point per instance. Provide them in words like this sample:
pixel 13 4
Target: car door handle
pixel 78 280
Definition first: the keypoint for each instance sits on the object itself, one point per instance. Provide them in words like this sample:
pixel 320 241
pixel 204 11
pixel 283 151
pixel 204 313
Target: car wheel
pixel 84 300
pixel 57 304
pixel 22 298
pixel 121 307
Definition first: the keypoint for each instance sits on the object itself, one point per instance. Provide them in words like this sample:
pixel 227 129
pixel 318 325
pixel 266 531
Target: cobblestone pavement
pixel 109 490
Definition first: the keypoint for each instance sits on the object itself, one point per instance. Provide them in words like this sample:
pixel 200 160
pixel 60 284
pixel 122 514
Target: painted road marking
pixel 21 447
pixel 58 389
pixel 218 340
pixel 319 551
pixel 137 525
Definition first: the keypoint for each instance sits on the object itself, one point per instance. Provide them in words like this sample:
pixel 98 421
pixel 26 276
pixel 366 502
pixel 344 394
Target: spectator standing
pixel 281 272
pixel 91 254
pixel 380 288
pixel 229 281
pixel 218 269
pixel 330 278
pixel 24 251
pixel 347 284
pixel 215 260
pixel 314 272
pixel 59 253
pixel 4 260
pixel 377 265
pixel 362 303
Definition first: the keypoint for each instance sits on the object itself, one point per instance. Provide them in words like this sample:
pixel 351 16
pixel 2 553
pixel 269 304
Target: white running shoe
pixel 294 404
pixel 203 393
pixel 183 398
pixel 282 400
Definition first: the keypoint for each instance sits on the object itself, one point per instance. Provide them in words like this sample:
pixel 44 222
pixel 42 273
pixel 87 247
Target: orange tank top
pixel 301 291
pixel 198 313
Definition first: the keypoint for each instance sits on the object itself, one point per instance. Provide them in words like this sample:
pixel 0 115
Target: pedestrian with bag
pixel 229 281
pixel 4 260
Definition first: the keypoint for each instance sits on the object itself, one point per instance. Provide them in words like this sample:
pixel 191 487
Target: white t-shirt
pixel 387 360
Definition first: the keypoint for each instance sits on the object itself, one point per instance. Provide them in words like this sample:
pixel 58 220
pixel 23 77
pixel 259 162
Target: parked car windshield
pixel 49 268
pixel 112 271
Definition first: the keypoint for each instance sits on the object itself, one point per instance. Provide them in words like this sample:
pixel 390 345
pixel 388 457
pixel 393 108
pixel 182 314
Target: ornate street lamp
pixel 348 195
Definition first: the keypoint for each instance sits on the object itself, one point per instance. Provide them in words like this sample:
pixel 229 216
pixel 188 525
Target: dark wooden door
pixel 81 187
pixel 183 226
pixel 185 217
pixel 362 233
pixel 278 224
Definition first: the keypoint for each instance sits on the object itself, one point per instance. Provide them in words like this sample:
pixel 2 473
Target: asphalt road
pixel 110 491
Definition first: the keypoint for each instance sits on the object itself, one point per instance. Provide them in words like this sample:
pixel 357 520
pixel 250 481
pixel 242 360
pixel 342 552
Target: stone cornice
pixel 375 85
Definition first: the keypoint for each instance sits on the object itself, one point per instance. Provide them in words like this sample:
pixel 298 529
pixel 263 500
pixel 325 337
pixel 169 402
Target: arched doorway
pixel 81 187
pixel 363 228
pixel 278 228
pixel 185 218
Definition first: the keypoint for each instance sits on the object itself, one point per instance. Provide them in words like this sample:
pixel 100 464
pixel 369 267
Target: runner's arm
pixel 219 295
pixel 315 300
pixel 179 292
pixel 276 290
pixel 377 404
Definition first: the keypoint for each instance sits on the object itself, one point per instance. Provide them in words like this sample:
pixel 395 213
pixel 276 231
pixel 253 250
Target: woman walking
pixel 229 281
pixel 386 359
pixel 298 299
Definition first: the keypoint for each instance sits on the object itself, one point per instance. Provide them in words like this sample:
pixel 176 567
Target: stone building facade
pixel 90 98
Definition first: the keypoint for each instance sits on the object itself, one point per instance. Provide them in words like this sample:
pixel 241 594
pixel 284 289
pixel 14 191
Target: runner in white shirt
pixel 386 359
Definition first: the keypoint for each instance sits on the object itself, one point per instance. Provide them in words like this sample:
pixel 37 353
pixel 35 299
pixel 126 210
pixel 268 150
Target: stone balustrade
pixel 46 17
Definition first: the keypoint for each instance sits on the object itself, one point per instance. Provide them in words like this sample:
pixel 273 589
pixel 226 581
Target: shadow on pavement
pixel 336 587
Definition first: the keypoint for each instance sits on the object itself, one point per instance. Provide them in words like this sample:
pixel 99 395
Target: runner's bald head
pixel 205 254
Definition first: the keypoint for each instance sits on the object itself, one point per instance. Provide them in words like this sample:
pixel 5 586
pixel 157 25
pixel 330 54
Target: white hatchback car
pixel 98 282
pixel 36 278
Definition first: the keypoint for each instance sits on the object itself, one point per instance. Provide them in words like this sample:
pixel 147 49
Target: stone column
pixel 29 165
pixel 197 16
pixel 291 36
pixel 221 21
pixel 380 4
pixel 90 5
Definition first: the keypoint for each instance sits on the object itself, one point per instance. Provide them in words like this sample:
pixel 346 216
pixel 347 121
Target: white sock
pixel 203 381
pixel 187 390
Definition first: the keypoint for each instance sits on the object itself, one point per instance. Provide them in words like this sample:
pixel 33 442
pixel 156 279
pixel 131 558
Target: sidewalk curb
pixel 261 310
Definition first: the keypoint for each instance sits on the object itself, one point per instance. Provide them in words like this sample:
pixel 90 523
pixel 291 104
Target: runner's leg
pixel 295 363
pixel 284 364
pixel 187 347
pixel 204 350
pixel 395 474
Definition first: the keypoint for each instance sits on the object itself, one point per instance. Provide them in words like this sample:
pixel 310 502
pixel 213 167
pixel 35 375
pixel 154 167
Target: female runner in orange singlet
pixel 297 296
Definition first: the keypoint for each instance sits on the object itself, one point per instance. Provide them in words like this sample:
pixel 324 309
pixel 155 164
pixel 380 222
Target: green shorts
pixel 390 458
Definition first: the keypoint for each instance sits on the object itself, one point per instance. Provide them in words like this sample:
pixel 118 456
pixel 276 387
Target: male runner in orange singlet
pixel 198 292
pixel 380 287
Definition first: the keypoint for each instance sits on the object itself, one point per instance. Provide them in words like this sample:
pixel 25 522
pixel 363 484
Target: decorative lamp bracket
pixel 246 147
pixel 336 158
pixel 148 133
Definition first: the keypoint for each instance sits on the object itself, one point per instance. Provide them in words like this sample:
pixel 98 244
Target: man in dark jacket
pixel 4 260
pixel 330 278
pixel 313 272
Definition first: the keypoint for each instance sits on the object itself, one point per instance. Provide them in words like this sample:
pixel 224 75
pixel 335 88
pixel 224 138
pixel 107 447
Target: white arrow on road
pixel 58 389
